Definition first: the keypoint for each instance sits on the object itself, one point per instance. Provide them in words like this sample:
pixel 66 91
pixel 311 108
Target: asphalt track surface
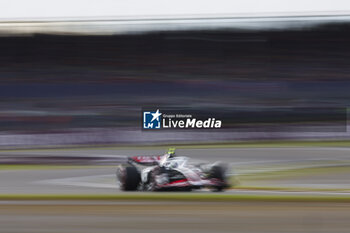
pixel 166 216
pixel 101 180
pixel 183 217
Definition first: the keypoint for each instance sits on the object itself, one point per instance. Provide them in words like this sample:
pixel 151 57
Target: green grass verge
pixel 176 197
pixel 266 180
pixel 297 172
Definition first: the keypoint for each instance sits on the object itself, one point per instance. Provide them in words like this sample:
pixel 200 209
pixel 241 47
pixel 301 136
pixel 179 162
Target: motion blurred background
pixel 75 74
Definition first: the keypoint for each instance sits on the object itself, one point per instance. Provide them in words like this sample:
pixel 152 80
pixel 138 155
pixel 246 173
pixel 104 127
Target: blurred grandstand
pixel 83 89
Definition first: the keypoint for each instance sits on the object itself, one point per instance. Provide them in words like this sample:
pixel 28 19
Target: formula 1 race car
pixel 170 173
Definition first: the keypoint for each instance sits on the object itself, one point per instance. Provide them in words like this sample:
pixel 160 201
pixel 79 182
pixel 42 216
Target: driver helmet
pixel 168 156
pixel 171 153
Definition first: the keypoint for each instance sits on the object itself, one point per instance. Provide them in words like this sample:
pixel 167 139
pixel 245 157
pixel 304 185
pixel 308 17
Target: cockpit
pixel 174 162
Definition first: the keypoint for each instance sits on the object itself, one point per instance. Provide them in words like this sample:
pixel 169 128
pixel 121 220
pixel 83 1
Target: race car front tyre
pixel 129 178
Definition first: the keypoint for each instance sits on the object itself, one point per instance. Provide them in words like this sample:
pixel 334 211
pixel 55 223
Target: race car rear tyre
pixel 218 172
pixel 129 178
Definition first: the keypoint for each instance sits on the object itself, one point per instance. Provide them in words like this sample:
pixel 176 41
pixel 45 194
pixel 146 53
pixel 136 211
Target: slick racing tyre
pixel 129 178
pixel 218 172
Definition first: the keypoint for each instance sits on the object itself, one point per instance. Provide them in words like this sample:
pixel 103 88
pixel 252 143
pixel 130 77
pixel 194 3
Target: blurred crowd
pixel 57 83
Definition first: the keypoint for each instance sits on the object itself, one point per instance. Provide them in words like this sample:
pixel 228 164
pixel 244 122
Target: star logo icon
pixel 156 115
pixel 151 119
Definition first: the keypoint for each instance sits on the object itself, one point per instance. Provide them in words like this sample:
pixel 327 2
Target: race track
pixel 135 216
pixel 101 180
